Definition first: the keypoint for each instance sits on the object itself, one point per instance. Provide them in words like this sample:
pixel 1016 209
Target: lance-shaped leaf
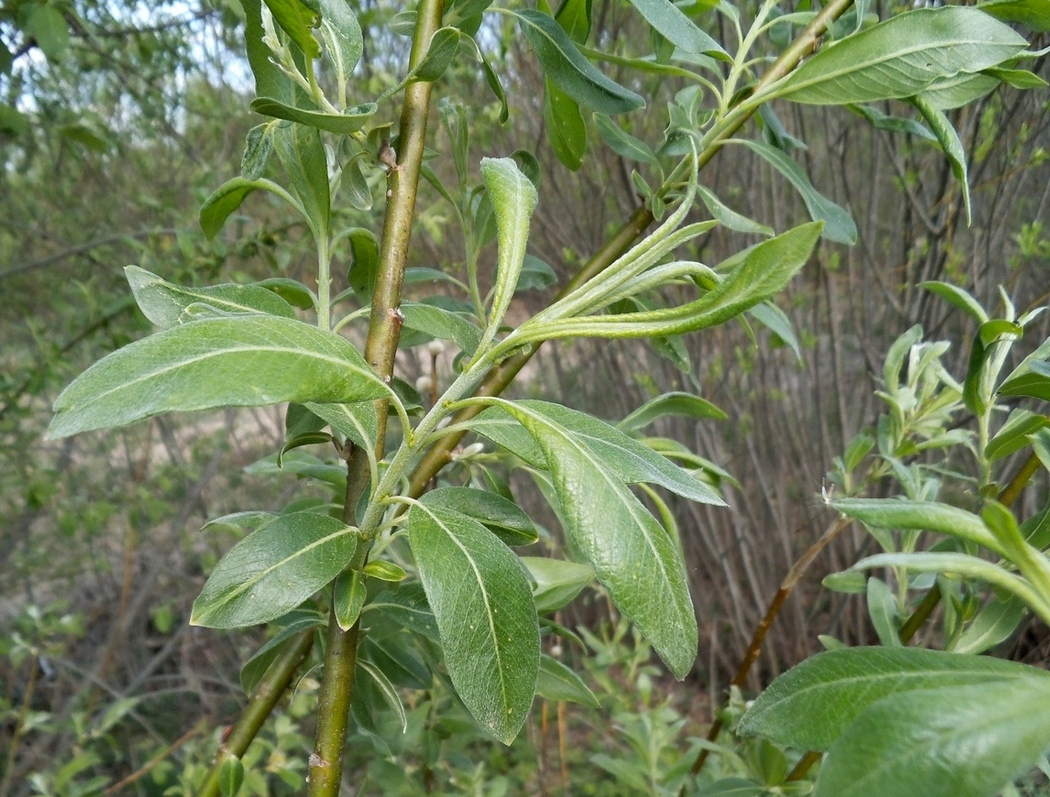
pixel 566 129
pixel 628 460
pixel 902 56
pixel 229 196
pixel 838 224
pixel 758 274
pixel 350 121
pixel 343 38
pixel 965 741
pixel 163 302
pixel 669 21
pixel 273 570
pixel 632 555
pixel 443 324
pixel 1033 14
pixel 810 705
pixel 675 403
pixel 950 144
pixel 357 421
pixel 558 682
pixel 1033 381
pixel 481 600
pixel 891 513
pixel 298 20
pixel 513 198
pixel 246 361
pixel 502 517
pixel 563 63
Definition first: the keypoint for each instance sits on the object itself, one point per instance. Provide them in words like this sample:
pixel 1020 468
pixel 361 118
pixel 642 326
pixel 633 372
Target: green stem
pixel 380 350
pixel 261 702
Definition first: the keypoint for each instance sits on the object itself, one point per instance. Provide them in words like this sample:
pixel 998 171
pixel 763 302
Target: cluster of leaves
pixel 431 576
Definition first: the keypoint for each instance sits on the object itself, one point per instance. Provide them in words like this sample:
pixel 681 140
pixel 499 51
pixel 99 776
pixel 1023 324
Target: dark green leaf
pixel 357 421
pixel 623 143
pixel 838 225
pixel 811 705
pixel 442 324
pixel 669 21
pixel 503 518
pixel 404 606
pixel 47 25
pixel 483 605
pixel 225 200
pixel 675 403
pixel 994 624
pixel 632 555
pixel 239 361
pixel 565 126
pixel 1035 382
pixel 342 34
pixel 535 275
pixel 951 145
pixel 957 297
pixel 444 45
pixel 297 19
pixel 557 682
pixel 350 121
pixel 630 461
pixel 964 741
pixel 303 157
pixel 902 56
pixel 292 291
pixel 563 63
pixel 893 124
pixel 12 121
pixel 1013 436
pixel 348 598
pixel 273 570
pixel 1033 14
pixel 558 581
pixel 920 516
pixel 163 302
pixel 513 198
pixel 574 16
pixel 255 668
pixel 231 775
pixel 364 262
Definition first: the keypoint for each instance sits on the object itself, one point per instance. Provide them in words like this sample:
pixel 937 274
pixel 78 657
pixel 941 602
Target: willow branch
pixel 380 350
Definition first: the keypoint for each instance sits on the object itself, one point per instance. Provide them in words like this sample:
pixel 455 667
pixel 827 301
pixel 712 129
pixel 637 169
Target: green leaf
pixel 558 581
pixel 810 705
pixel 442 324
pixel 902 56
pixel 444 45
pixel 297 19
pixel 357 421
pixel 893 124
pixel 513 198
pixel 629 460
pixel 303 157
pixel 563 63
pixel 12 121
pixel 258 148
pixel 503 518
pixel 535 275
pixel 1033 14
pixel 957 297
pixel 226 199
pixel 669 21
pixel 350 121
pixel 951 145
pixel 405 606
pixel 273 570
pixel 838 224
pixel 949 93
pixel 776 321
pixel 270 81
pixel 364 262
pixel 387 690
pixel 565 126
pixel 47 25
pixel 728 217
pixel 897 513
pixel 965 741
pixel 882 608
pixel 255 668
pixel 632 555
pixel 1013 436
pixel 384 571
pixel 675 403
pixel 994 624
pixel 557 682
pixel 574 16
pixel 342 34
pixel 1017 78
pixel 348 598
pixel 1033 382
pixel 495 84
pixel 483 605
pixel 239 361
pixel 231 775
pixel 623 143
pixel 292 291
pixel 163 302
